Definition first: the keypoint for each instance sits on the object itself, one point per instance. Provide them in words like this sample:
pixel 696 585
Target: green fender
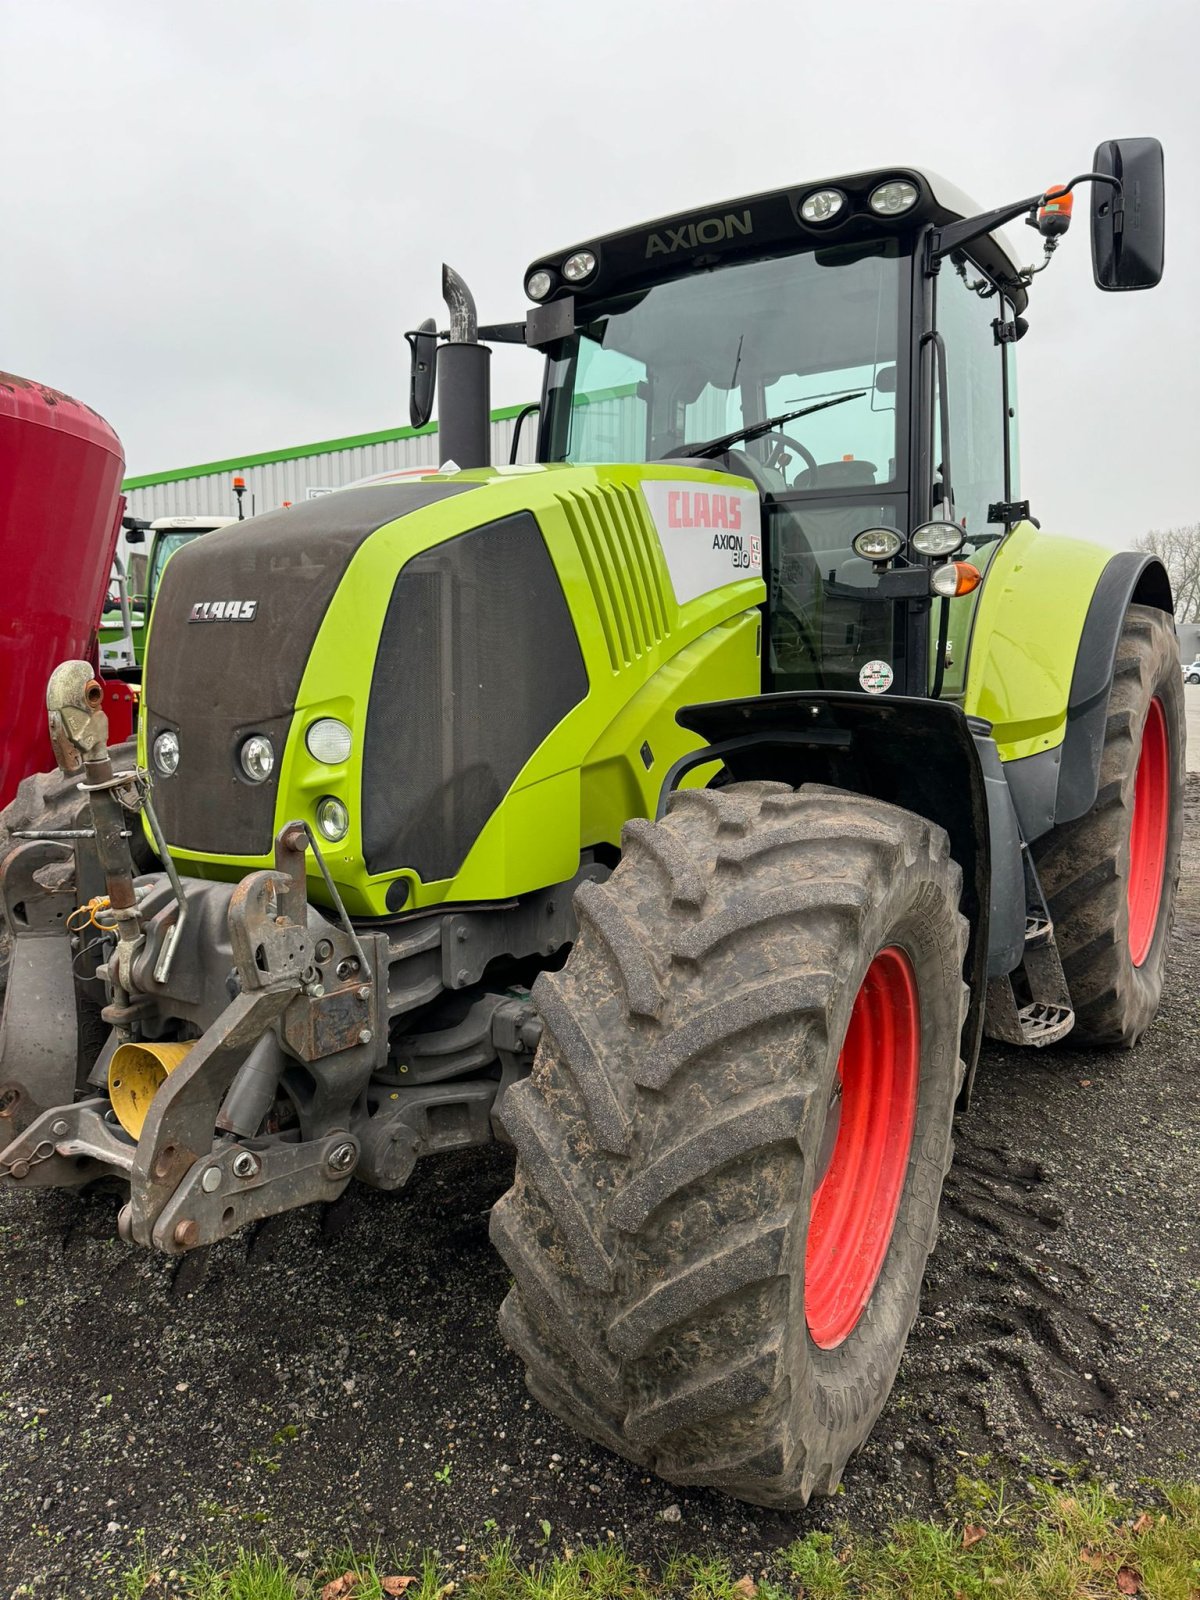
pixel 1027 626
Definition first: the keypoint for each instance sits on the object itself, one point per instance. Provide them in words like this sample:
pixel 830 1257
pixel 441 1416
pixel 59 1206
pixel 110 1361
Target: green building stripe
pixel 266 458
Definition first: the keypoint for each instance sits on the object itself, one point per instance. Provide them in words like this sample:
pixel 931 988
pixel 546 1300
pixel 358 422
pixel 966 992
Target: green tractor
pixel 127 614
pixel 681 810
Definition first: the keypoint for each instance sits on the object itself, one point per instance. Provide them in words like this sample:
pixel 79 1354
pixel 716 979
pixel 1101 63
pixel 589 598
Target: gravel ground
pixel 339 1376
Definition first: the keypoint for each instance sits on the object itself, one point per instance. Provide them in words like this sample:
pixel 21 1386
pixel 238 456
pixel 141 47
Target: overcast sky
pixel 217 219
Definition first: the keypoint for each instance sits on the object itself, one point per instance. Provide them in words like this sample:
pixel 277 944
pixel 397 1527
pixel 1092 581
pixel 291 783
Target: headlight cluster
pixel 891 198
pixel 327 740
pixel 938 540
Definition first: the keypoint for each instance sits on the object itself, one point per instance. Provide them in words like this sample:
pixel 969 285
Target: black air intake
pixel 478 661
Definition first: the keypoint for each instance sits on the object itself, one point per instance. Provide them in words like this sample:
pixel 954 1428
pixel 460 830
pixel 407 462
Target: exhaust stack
pixel 463 381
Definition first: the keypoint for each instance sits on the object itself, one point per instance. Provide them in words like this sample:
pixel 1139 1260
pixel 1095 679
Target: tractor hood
pixel 477 637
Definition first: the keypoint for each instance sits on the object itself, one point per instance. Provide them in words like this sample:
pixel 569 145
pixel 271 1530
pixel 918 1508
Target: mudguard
pixel 922 754
pixel 1059 782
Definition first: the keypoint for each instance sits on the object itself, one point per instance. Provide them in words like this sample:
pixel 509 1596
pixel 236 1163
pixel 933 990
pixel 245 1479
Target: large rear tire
pixel 1110 877
pixel 732 1145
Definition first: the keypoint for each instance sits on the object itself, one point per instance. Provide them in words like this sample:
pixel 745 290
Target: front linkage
pixel 280 1011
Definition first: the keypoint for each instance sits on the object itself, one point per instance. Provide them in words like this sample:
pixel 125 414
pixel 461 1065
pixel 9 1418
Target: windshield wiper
pixel 755 430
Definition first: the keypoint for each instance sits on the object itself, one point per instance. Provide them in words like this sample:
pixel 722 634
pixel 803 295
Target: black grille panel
pixel 215 682
pixel 477 663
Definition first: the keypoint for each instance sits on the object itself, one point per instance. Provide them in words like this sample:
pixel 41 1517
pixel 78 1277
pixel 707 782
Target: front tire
pixel 1110 877
pixel 732 1145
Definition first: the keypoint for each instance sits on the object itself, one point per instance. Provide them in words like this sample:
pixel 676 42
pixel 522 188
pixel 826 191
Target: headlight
pixel 538 284
pixel 822 205
pixel 890 199
pixel 938 538
pixel 166 753
pixel 333 819
pixel 877 544
pixel 329 741
pixel 257 757
pixel 579 266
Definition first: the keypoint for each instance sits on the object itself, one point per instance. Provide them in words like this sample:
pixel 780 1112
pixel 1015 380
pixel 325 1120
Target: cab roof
pixel 771 223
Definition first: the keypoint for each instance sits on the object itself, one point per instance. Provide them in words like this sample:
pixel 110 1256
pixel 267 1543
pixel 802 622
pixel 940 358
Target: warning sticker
pixel 710 536
pixel 876 677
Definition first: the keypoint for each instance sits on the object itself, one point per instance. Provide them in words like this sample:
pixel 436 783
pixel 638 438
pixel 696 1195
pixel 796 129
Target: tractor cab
pixel 848 346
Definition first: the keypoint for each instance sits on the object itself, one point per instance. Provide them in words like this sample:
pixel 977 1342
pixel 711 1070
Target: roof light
pixel 938 538
pixel 822 205
pixel 579 266
pixel 877 544
pixel 954 579
pixel 894 197
pixel 538 284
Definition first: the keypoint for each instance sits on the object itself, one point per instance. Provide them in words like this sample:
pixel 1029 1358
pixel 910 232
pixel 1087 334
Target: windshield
pixel 697 357
pixel 166 545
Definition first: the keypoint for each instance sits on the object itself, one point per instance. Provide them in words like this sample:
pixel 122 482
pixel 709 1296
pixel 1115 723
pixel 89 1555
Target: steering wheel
pixel 778 441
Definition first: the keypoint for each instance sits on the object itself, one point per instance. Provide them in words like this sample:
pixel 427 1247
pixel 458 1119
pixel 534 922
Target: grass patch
pixel 1078 1543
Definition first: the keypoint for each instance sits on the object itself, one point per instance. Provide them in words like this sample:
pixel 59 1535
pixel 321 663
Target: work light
pixel 822 205
pixel 538 284
pixel 579 266
pixel 257 758
pixel 938 538
pixel 891 198
pixel 877 544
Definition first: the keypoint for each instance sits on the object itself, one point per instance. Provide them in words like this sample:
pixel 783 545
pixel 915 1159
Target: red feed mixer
pixel 60 513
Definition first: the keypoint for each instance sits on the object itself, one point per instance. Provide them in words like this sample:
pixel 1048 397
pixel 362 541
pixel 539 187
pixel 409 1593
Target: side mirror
pixel 1127 230
pixel 423 372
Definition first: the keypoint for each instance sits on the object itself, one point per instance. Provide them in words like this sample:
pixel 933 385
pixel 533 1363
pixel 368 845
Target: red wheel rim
pixel 1148 833
pixel 871 1122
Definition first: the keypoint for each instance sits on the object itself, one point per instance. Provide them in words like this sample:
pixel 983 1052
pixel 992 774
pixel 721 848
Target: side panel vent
pixel 619 550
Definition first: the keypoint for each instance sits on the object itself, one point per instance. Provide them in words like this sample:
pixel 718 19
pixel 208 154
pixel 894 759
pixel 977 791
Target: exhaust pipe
pixel 463 381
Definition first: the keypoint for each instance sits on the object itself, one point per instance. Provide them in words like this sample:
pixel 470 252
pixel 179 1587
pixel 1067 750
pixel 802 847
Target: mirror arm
pixel 955 235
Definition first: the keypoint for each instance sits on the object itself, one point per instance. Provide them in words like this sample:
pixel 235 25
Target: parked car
pixel 1191 674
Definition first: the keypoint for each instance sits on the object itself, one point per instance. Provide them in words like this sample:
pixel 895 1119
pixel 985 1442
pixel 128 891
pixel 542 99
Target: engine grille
pixel 477 662
pixel 216 682
pixel 618 547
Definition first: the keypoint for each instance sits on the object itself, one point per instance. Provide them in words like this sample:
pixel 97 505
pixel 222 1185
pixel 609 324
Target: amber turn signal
pixel 955 578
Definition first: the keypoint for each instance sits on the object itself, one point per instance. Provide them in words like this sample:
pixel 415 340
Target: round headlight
pixel 257 758
pixel 938 538
pixel 579 266
pixel 166 752
pixel 333 819
pixel 890 199
pixel 538 285
pixel 822 206
pixel 877 544
pixel 329 740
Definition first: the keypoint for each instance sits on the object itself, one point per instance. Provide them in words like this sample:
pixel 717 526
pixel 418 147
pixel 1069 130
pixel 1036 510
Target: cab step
pixel 1032 1006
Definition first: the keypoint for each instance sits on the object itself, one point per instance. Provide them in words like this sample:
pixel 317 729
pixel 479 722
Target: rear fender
pixel 922 754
